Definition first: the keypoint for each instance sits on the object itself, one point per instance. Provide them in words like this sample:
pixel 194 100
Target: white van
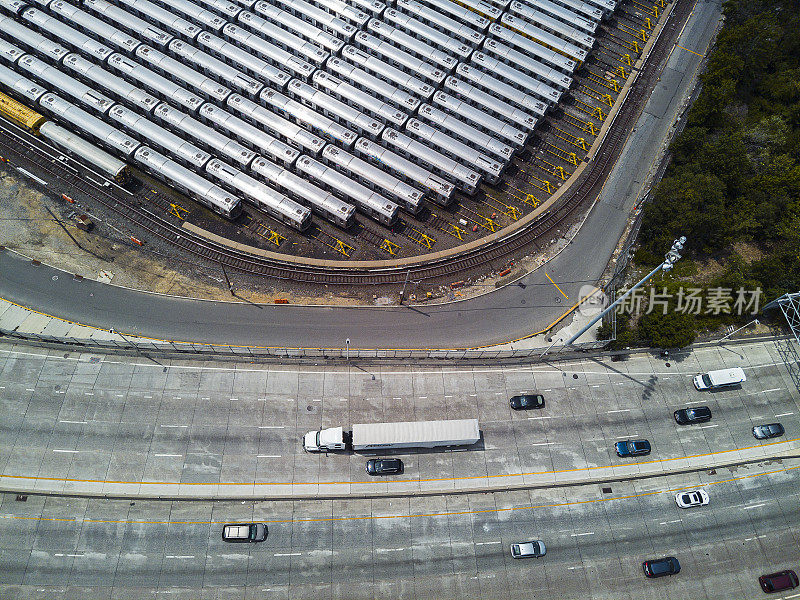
pixel 718 379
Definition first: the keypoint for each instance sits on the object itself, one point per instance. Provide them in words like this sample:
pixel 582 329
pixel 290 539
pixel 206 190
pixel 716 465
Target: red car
pixel 778 582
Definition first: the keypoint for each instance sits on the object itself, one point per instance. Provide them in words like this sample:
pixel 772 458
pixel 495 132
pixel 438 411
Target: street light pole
pixel 347 345
pixel 754 321
pixel 669 259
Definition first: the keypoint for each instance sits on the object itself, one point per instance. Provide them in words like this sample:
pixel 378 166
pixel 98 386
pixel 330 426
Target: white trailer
pixel 418 434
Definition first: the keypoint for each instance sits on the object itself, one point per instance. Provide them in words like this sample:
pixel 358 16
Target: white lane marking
pixel 179 556
pixel 170 455
pixel 148 396
pixel 423 397
pixel 316 400
pixel 235 399
pixel 542 444
pixel 74 422
pixel 750 539
pixel 772 390
pixel 618 411
pixel 446 396
pixel 173 425
pixel 120 395
pixel 707 426
pixel 595 386
pixel 669 522
pixel 287 554
pixel 268 455
pixel 385 550
pixel 784 414
pixel 792 596
pixel 89 393
pixel 536 418
pixel 29 389
pixel 486 543
pixel 754 506
pixel 272 426
pixel 67 451
pixel 580 534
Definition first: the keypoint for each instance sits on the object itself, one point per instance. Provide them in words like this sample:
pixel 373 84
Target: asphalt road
pixel 447 547
pixel 505 314
pixel 127 420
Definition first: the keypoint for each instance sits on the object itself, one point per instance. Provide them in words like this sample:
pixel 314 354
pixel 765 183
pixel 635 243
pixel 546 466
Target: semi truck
pixel 379 436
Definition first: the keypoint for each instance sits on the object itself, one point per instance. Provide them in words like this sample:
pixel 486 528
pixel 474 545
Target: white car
pixel 691 498
pixel 534 549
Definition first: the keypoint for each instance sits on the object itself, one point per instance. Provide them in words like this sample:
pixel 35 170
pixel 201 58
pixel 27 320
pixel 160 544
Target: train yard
pixel 558 145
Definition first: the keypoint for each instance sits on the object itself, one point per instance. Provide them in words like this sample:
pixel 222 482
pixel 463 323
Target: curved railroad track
pixel 583 192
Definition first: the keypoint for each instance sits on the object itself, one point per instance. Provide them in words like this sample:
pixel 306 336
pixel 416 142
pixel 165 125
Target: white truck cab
pixel 719 379
pixel 325 439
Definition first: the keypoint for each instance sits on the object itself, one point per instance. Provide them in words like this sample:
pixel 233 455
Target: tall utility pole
pixel 669 259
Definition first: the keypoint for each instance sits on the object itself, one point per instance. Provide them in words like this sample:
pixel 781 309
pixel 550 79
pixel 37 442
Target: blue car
pixel 632 448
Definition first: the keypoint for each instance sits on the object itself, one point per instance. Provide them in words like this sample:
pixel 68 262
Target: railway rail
pixel 583 192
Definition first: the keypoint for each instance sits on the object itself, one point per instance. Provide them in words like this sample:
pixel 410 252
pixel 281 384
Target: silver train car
pixel 159 86
pixel 111 84
pixel 443 23
pixel 94 27
pixel 85 124
pixel 587 9
pixel 373 7
pixel 232 56
pixel 372 85
pixel 464 178
pixel 382 70
pixel 544 37
pixel 485 9
pixel 41 46
pixel 218 70
pixel 138 28
pixel 481 119
pixel 332 108
pixel 516 78
pixel 320 201
pixel 491 104
pixel 419 30
pixel 88 152
pixel 277 205
pixel 439 190
pixel 496 87
pixel 9 52
pixel 207 138
pixel 66 34
pixel 257 46
pixel 153 13
pixel 206 19
pixel 352 96
pixel 413 46
pixel 534 50
pixel 227 10
pixel 469 135
pixel 249 136
pixel 343 10
pixel 188 182
pixel 148 132
pixel 298 26
pixel 54 79
pixel 20 86
pixel 321 18
pixel 312 52
pixel 526 64
pixel 407 197
pixel 449 146
pixel 309 118
pixel 289 132
pixel 566 32
pixel 567 16
pixel 174 69
pixel 399 58
pixel 368 202
pixel 462 15
pixel 13 6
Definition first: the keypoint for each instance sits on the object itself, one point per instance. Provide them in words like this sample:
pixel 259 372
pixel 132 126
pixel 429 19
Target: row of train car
pixel 301 106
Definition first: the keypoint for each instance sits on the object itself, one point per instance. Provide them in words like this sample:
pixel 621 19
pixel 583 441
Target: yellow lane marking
pixel 463 478
pixel 692 51
pixel 558 288
pixel 411 515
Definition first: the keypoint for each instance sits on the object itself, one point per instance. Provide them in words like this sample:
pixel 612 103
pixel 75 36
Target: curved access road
pixel 509 313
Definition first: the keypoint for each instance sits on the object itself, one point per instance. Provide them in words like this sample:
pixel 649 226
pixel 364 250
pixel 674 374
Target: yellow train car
pixel 21 115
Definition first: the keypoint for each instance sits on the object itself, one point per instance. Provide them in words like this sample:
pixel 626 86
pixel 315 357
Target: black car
pixel 525 401
pixel 763 432
pixel 632 448
pixel 668 565
pixel 687 416
pixel 384 466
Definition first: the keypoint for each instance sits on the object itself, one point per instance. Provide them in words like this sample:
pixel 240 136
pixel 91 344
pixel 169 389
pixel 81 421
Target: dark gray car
pixel 773 430
pixel 698 414
pixel 526 401
pixel 384 466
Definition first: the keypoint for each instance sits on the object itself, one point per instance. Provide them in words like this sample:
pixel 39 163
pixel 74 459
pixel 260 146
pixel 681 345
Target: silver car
pixel 244 532
pixel 534 549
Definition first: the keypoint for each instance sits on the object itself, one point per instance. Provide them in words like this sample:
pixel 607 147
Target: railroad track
pixel 584 191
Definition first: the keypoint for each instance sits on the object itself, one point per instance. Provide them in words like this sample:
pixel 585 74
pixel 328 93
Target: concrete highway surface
pixel 505 314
